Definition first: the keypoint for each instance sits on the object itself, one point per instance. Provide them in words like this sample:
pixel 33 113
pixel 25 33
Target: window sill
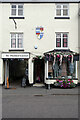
pixel 62 17
pixel 16 17
pixel 16 49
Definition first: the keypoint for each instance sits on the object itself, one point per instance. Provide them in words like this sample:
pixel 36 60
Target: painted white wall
pixel 30 69
pixel 38 15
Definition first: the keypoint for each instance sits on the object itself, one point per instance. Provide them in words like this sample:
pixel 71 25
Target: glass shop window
pixel 66 69
pixel 50 70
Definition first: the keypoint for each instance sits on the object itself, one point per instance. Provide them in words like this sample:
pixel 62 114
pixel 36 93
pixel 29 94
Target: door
pixel 39 71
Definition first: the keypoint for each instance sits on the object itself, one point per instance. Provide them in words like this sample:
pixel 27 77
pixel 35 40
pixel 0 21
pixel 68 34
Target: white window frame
pixel 17 10
pixel 62 40
pixel 62 10
pixel 16 41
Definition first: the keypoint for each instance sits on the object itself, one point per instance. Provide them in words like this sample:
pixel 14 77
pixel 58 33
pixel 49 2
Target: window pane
pixel 65 12
pixel 13 35
pixel 13 6
pixel 13 12
pixel 50 70
pixel 58 42
pixel 20 41
pixel 58 35
pixel 20 6
pixel 20 12
pixel 20 36
pixel 65 42
pixel 58 12
pixel 58 6
pixel 13 43
pixel 65 35
pixel 65 6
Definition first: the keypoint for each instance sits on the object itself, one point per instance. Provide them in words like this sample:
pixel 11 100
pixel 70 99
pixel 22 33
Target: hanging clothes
pixel 56 68
pixel 60 70
pixel 71 68
pixel 64 69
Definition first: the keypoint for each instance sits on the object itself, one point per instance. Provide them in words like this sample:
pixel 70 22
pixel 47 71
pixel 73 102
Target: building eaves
pixel 38 1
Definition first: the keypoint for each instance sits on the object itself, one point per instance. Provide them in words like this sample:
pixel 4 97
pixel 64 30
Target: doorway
pixel 17 68
pixel 39 71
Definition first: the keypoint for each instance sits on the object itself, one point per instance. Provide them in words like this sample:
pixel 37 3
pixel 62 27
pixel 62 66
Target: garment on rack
pixel 56 68
pixel 71 68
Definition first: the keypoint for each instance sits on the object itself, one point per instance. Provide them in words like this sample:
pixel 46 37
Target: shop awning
pixel 65 53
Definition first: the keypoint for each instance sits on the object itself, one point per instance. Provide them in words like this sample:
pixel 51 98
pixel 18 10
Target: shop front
pixel 61 65
pixel 15 66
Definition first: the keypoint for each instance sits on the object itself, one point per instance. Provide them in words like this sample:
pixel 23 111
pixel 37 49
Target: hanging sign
pixel 39 32
pixel 15 55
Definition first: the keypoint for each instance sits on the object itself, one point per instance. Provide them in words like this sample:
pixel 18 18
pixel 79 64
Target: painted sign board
pixel 15 55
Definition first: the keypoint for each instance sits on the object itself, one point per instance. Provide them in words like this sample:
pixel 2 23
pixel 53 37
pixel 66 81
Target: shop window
pixel 66 69
pixel 17 40
pixel 62 10
pixel 17 10
pixel 50 70
pixel 62 40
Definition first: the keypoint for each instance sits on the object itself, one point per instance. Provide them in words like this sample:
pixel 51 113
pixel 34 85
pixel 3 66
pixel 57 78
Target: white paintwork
pixel 1 71
pixel 47 70
pixel 38 15
pixel 76 69
pixel 30 71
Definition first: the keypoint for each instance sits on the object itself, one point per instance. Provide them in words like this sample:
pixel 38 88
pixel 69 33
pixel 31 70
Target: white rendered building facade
pixel 31 33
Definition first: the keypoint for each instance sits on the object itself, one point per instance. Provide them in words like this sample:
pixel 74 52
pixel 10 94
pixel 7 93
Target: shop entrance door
pixel 39 71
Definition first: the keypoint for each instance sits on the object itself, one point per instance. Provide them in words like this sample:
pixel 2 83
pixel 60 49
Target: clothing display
pixel 56 68
pixel 71 68
pixel 64 69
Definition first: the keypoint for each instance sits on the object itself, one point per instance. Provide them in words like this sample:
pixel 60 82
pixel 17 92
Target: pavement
pixel 39 102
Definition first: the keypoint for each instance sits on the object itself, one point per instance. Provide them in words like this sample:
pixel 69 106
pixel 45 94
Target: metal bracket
pixel 15 24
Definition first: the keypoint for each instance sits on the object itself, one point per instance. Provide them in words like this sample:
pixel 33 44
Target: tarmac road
pixel 33 102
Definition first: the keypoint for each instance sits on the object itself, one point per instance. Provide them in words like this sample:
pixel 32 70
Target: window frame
pixel 17 15
pixel 62 40
pixel 16 48
pixel 64 16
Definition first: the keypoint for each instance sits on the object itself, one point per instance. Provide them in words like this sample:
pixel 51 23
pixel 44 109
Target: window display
pixel 57 70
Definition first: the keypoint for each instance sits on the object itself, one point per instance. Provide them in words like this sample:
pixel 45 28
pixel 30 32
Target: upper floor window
pixel 17 10
pixel 16 40
pixel 62 40
pixel 62 10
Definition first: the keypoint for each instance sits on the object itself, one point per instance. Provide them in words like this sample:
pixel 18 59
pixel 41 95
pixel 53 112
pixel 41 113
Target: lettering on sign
pixel 8 55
